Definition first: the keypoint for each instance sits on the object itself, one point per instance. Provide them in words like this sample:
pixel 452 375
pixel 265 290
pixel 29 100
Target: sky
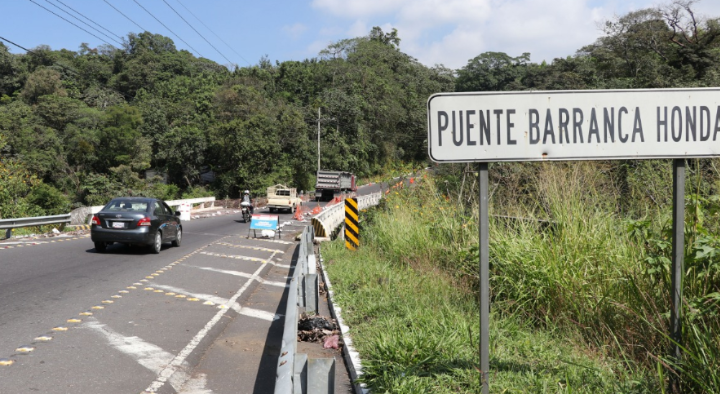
pixel 241 32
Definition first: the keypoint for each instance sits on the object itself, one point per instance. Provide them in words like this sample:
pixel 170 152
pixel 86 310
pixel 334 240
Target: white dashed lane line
pixel 146 354
pixel 241 274
pixel 177 362
pixel 236 257
pixel 250 247
pixel 269 316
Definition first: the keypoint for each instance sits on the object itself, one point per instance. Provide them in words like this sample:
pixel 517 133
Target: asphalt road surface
pixel 202 318
pixel 129 321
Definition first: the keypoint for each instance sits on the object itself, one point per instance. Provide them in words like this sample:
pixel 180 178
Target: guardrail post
pixel 300 380
pixel 321 376
pixel 311 287
pixel 8 233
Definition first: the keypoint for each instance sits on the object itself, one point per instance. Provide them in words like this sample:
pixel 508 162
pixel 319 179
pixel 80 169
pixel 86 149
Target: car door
pixel 174 220
pixel 163 218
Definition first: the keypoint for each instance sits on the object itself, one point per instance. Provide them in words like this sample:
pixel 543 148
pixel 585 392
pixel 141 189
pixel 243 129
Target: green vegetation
pixel 149 119
pixel 580 291
pixel 580 251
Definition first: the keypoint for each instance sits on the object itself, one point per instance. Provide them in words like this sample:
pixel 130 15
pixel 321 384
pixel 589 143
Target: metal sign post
pixel 484 279
pixel 678 256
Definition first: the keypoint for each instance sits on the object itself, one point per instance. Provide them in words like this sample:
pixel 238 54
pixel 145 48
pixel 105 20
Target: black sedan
pixel 136 221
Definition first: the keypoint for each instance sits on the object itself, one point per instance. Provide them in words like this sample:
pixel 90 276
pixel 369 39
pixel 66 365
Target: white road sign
pixel 574 125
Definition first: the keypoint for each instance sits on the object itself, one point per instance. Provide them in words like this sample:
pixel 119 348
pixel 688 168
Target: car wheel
pixel 157 245
pixel 178 238
pixel 100 247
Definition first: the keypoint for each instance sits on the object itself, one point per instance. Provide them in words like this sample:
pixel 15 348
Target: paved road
pixel 129 321
pixel 202 318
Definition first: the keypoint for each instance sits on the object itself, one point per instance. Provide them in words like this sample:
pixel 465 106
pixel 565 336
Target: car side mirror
pixel 177 213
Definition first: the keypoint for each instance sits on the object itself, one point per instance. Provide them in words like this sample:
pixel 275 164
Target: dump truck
pixel 330 183
pixel 281 197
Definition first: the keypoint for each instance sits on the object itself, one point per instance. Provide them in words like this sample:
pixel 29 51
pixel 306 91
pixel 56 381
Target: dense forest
pixel 78 127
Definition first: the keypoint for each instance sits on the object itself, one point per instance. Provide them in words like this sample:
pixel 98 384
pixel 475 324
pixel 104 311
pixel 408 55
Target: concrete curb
pixel 351 356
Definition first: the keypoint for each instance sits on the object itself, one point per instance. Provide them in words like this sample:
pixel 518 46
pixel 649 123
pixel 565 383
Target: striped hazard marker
pixel 352 230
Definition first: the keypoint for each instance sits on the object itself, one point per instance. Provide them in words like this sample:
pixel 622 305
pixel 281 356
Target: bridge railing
pixel 78 215
pixel 326 222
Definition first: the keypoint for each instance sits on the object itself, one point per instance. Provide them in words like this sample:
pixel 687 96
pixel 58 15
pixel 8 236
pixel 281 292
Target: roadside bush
pixel 49 199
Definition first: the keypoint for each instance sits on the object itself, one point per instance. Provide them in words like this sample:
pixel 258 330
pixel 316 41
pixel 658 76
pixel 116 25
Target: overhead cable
pixel 191 26
pixel 158 20
pixel 97 24
pixel 78 19
pixel 70 23
pixel 211 31
pixel 17 45
pixel 126 17
pixel 37 54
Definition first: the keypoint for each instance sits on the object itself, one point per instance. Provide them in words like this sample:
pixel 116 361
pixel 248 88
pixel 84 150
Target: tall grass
pixel 580 294
pixel 607 277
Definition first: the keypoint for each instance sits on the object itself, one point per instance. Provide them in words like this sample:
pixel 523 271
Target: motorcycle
pixel 245 211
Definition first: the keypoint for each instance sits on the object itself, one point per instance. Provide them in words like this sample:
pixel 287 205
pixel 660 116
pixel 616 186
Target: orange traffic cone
pixel 298 213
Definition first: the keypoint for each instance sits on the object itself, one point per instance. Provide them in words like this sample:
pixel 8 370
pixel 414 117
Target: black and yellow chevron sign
pixel 319 228
pixel 352 231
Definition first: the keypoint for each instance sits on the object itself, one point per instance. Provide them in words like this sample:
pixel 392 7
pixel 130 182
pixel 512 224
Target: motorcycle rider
pixel 246 201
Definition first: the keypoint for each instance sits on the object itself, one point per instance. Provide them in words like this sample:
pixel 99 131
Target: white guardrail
pixel 10 224
pixel 172 203
pixel 329 219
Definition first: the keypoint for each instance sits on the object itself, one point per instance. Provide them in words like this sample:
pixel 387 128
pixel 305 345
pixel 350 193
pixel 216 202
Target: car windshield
pixel 282 192
pixel 126 206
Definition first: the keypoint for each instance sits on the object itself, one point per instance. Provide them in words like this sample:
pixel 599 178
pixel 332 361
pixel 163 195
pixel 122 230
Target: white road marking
pixel 236 257
pixel 204 297
pixel 176 364
pixel 257 313
pixel 250 247
pixel 146 354
pixel 241 274
pixel 196 385
pixel 279 265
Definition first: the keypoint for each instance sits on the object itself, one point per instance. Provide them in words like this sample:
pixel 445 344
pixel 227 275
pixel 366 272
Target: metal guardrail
pixel 296 374
pixel 10 224
pixel 329 219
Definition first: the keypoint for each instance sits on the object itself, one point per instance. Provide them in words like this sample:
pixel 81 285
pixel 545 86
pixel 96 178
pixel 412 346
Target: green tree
pixel 41 82
pixel 12 73
pixel 492 71
pixel 16 182
pixel 121 142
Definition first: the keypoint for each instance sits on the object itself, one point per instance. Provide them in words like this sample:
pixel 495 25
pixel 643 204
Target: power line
pixel 71 23
pixel 37 54
pixel 77 12
pixel 126 17
pixel 191 26
pixel 167 28
pixel 78 19
pixel 17 45
pixel 211 31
